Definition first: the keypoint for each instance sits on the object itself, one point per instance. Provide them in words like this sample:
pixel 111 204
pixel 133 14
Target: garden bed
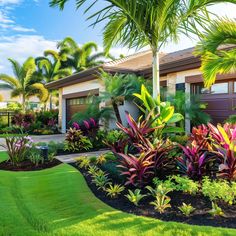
pixel 199 217
pixel 28 166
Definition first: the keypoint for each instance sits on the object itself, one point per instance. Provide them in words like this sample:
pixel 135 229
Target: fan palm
pixel 51 70
pixel 137 23
pixel 214 61
pixel 25 83
pixel 81 58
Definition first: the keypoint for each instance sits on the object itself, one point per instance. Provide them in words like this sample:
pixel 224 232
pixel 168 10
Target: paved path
pixel 71 158
pixel 41 138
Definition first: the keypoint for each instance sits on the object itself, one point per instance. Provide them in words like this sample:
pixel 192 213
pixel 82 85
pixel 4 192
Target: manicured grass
pixel 10 135
pixel 58 202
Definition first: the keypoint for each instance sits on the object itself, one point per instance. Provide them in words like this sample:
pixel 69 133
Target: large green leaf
pixel 175 118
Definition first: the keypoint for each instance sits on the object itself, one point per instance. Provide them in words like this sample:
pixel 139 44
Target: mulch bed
pixel 28 166
pixel 199 217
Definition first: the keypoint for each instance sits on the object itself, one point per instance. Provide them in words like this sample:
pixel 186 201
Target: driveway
pixel 42 138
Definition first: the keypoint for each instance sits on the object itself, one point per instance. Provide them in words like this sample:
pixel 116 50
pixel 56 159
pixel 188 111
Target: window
pixel 81 101
pixel 220 88
pixel 234 87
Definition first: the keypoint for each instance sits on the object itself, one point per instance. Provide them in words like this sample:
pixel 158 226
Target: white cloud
pixel 21 47
pixel 6 22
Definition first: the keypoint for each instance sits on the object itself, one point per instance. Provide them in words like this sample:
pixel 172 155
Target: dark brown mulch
pixel 199 217
pixel 28 166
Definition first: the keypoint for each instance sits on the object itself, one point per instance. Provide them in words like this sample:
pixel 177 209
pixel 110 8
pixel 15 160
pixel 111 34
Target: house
pixel 179 71
pixel 34 102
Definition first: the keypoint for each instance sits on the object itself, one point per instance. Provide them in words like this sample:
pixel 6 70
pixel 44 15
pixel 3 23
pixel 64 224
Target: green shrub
pixel 180 139
pixel 219 190
pixel 113 136
pixel 185 184
pixel 231 120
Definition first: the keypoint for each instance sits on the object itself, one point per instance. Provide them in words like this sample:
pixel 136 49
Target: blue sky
pixel 28 27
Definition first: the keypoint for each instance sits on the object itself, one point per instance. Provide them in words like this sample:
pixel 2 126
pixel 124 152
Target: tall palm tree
pixel 214 61
pixel 81 58
pixel 137 23
pixel 25 82
pixel 51 70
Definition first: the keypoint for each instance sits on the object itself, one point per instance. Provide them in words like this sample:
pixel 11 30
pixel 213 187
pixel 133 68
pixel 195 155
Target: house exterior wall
pixel 172 79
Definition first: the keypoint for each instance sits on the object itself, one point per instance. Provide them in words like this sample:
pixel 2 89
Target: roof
pixel 139 63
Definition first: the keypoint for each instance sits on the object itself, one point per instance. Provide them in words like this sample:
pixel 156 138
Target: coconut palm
pixel 137 23
pixel 25 82
pixel 81 58
pixel 51 70
pixel 221 32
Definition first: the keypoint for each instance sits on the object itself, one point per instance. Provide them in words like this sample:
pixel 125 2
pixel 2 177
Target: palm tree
pixel 51 70
pixel 25 83
pixel 81 58
pixel 214 61
pixel 137 23
pixel 119 88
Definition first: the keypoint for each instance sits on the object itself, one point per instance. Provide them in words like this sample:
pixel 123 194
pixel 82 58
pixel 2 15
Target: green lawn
pixel 10 135
pixel 58 202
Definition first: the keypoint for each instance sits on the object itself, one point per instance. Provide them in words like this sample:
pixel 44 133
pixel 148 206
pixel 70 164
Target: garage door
pixel 74 105
pixel 220 99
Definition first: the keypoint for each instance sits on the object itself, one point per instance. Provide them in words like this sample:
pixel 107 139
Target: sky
pixel 28 27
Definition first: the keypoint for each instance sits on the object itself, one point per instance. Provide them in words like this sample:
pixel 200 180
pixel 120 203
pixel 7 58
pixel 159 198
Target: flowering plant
pixel 17 148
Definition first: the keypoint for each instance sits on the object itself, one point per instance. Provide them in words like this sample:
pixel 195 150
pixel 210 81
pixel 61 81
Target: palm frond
pixel 13 82
pixel 39 90
pixel 16 67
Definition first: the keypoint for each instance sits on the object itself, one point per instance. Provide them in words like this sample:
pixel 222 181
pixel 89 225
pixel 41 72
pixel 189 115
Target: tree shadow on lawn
pixel 59 202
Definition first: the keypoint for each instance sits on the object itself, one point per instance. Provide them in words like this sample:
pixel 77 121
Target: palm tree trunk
pixel 117 113
pixel 50 101
pixel 156 74
pixel 23 103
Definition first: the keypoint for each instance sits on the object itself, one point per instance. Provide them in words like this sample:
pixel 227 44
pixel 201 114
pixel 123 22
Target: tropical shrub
pixel 219 190
pixel 17 148
pixel 101 180
pixel 162 201
pixel 186 209
pixel 167 118
pixel 135 196
pixel 23 121
pixel 185 184
pixel 76 141
pixel 196 162
pixel 114 190
pixel 113 136
pixel 137 169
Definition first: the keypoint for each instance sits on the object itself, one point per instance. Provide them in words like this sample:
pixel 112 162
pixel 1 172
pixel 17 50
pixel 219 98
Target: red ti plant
pixel 225 147
pixel 137 131
pixel 137 169
pixel 199 134
pixel 228 166
pixel 196 161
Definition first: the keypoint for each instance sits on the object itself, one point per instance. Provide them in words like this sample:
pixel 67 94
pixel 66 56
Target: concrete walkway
pixel 41 138
pixel 71 158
